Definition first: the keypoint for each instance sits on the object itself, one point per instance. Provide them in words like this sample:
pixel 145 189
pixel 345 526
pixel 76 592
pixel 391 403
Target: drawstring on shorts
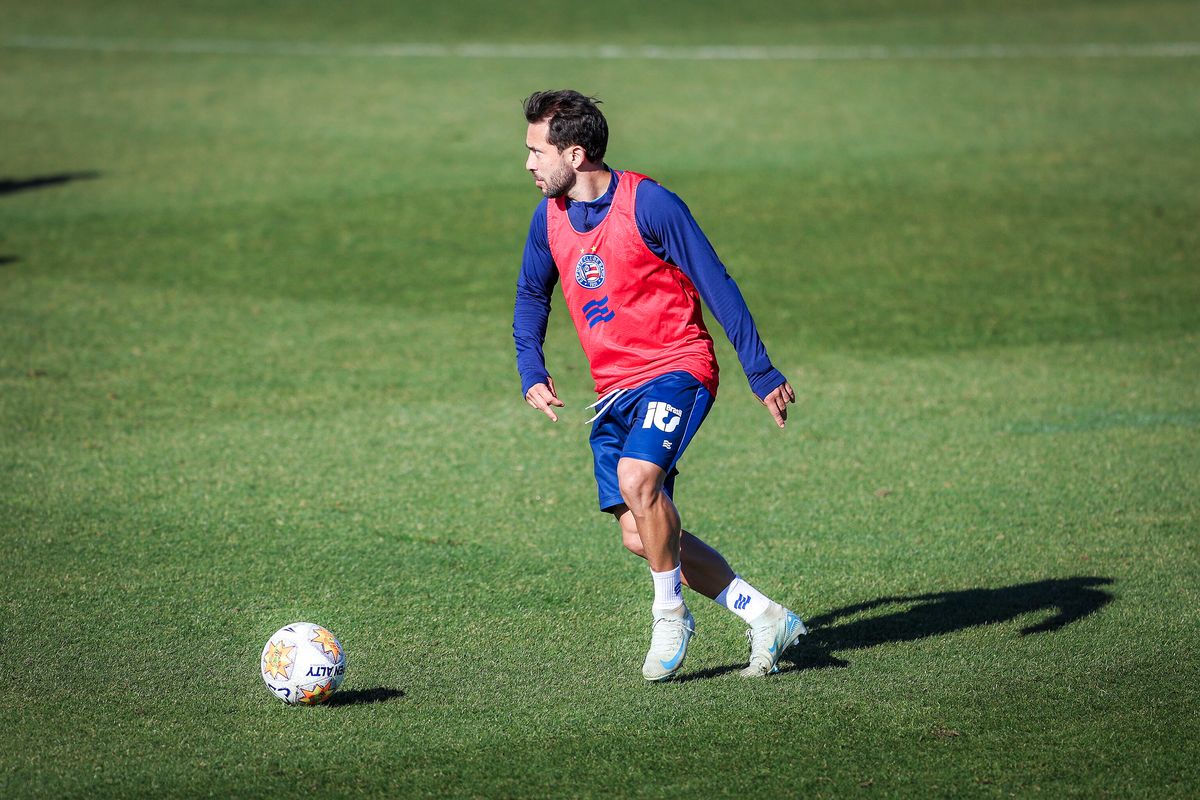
pixel 608 400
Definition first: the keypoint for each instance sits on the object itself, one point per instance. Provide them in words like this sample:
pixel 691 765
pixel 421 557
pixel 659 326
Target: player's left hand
pixel 777 402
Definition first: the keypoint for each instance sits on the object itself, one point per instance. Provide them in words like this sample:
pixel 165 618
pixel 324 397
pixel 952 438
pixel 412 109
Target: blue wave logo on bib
pixel 589 271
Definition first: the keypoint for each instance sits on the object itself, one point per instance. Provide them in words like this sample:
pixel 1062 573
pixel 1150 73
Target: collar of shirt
pixel 585 216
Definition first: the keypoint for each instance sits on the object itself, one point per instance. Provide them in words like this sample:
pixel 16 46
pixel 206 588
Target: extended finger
pixel 535 400
pixel 542 400
pixel 544 407
pixel 778 410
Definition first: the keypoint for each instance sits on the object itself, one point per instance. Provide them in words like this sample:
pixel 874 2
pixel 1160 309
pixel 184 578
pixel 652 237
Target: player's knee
pixel 640 483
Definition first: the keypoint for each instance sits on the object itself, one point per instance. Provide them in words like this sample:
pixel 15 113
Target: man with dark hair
pixel 634 265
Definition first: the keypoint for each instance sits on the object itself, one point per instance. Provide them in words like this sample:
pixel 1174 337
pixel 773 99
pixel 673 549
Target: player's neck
pixel 591 181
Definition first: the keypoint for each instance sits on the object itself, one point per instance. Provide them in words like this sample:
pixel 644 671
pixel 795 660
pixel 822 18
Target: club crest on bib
pixel 589 271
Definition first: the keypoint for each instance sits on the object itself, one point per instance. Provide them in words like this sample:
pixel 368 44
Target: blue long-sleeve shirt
pixel 671 233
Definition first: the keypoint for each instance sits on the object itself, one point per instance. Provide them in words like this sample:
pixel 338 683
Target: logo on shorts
pixel 589 271
pixel 663 416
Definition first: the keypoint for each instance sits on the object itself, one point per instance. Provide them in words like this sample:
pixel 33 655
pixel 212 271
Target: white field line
pixel 657 52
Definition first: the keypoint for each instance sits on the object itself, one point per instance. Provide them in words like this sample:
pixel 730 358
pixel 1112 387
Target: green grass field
pixel 256 367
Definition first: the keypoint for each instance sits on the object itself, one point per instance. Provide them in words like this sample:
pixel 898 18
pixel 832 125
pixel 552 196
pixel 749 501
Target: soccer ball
pixel 303 663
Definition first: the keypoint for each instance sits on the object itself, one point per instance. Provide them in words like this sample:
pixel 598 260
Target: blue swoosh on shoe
pixel 788 628
pixel 674 662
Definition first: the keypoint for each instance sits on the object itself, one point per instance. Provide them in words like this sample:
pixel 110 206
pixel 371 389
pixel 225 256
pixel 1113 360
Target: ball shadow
pixel 351 697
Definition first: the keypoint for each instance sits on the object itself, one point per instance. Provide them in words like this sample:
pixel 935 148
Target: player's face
pixel 552 171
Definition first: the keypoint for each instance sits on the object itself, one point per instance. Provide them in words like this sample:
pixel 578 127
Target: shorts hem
pixel 608 504
pixel 652 458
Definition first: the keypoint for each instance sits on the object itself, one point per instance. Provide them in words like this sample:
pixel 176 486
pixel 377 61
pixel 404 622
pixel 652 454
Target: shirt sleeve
pixel 673 235
pixel 531 311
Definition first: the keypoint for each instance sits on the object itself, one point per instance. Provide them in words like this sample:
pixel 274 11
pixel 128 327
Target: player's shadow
pixel 14 185
pixel 1065 600
pixel 351 697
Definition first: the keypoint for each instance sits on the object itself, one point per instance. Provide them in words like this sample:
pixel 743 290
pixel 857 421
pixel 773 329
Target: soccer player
pixel 634 266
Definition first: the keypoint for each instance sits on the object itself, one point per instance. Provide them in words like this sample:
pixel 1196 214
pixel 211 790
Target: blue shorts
pixel 654 422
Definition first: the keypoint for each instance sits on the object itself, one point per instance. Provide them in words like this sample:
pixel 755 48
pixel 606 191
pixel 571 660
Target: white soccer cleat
pixel 772 632
pixel 668 644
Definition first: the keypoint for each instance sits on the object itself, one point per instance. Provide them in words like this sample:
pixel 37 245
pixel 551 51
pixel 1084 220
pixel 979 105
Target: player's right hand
pixel 543 397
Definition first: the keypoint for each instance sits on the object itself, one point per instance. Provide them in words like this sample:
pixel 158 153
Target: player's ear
pixel 577 156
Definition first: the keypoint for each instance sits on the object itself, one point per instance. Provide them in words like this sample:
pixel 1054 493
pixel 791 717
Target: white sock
pixel 668 590
pixel 743 599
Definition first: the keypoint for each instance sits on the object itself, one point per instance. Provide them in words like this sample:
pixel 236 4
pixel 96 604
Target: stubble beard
pixel 559 182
